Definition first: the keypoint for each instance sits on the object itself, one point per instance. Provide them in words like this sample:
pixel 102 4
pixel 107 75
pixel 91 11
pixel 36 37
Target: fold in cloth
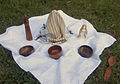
pixel 71 68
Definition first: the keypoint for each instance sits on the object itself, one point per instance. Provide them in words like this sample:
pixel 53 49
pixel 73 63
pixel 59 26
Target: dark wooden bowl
pixel 85 51
pixel 55 51
pixel 26 50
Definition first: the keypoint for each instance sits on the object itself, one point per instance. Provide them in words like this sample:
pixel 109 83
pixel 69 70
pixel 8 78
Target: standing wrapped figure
pixel 56 27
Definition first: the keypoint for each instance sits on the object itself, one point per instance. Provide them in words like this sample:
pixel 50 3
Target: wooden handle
pixel 27 29
pixel 107 73
pixel 82 29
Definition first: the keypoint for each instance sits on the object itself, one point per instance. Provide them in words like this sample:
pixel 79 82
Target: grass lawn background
pixel 101 13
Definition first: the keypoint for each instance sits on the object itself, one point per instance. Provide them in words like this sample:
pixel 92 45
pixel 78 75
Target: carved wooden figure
pixel 27 29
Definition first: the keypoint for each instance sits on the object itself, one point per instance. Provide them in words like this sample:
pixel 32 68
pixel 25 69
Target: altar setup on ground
pixel 56 48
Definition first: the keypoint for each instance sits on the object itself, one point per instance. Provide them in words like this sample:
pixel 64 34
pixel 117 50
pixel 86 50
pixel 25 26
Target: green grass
pixel 101 13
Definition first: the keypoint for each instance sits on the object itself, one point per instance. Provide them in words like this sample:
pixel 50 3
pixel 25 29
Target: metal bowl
pixel 55 51
pixel 26 50
pixel 85 51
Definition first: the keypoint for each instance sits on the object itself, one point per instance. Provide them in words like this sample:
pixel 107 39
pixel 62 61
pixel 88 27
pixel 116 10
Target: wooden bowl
pixel 55 51
pixel 26 50
pixel 85 51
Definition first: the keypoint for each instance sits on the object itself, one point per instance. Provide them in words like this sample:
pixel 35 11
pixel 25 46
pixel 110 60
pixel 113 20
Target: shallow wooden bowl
pixel 55 51
pixel 26 50
pixel 85 51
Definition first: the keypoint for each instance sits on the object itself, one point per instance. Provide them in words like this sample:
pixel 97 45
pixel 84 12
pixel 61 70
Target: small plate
pixel 85 51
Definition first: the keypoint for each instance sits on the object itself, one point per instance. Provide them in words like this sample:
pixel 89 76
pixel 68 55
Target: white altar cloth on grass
pixel 71 68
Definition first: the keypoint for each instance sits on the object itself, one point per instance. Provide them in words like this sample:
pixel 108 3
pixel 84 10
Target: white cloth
pixel 71 68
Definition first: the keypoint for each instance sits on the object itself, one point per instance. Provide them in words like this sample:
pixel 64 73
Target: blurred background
pixel 103 14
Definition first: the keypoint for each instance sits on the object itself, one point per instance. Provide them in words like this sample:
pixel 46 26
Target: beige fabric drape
pixel 56 27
